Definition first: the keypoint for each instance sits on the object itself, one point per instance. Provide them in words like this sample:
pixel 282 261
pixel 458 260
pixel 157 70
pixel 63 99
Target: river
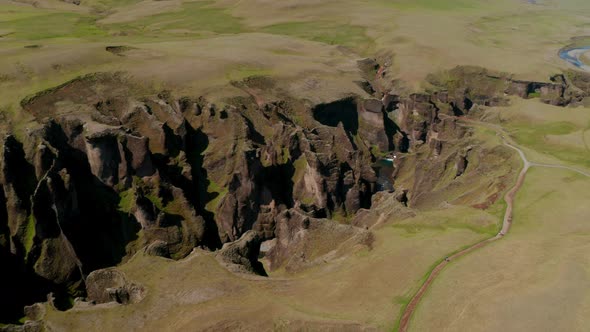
pixel 573 56
pixel 384 169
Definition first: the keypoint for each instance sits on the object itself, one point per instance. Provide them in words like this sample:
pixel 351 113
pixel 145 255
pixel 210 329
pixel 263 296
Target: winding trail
pixel 506 224
pixel 562 167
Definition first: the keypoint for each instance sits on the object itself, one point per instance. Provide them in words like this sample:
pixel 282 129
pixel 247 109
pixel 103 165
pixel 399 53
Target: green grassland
pixel 435 5
pixel 363 289
pixel 193 19
pixel 538 265
pixel 419 35
pixel 460 217
pixel 42 26
pixel 329 33
pixel 553 134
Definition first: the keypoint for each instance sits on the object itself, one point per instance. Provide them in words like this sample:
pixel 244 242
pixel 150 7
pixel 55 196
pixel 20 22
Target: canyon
pixel 254 165
pixel 112 171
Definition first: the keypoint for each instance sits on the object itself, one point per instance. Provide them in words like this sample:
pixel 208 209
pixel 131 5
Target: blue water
pixel 565 55
pixel 384 169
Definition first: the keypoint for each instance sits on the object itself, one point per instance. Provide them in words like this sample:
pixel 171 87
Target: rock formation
pixel 241 256
pixel 303 241
pixel 107 173
pixel 111 285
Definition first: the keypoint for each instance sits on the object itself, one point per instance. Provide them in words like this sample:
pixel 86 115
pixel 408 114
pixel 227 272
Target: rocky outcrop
pixel 28 326
pixel 241 256
pixel 158 248
pixel 115 157
pixel 107 173
pixel 466 85
pixel 169 174
pixel 303 241
pixel 35 312
pixel 550 93
pixel 462 162
pixel 111 285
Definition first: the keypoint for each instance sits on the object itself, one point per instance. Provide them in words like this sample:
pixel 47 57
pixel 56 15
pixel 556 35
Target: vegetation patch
pixel 376 151
pixel 534 95
pixel 457 217
pixel 330 33
pixel 194 18
pixel 242 72
pixel 434 4
pixel 534 137
pixel 30 233
pixel 219 192
pixel 300 165
pixel 475 81
pixel 52 25
pixel 118 50
pixel 126 200
pixel 108 4
pixel 93 77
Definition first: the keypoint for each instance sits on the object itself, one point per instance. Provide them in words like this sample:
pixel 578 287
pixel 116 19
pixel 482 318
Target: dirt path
pixel 562 167
pixel 507 223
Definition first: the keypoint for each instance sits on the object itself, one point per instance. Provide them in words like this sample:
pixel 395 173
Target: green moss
pixel 286 155
pixel 300 165
pixel 126 200
pixel 30 233
pixel 340 216
pixel 376 151
pixel 214 188
pixel 174 207
pixel 308 200
pixel 534 95
pixel 157 201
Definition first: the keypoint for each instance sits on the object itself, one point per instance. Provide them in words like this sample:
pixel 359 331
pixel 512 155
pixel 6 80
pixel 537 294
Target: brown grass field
pixel 536 279
pixel 364 289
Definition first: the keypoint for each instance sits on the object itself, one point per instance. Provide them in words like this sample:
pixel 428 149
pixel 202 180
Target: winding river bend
pixel 573 56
